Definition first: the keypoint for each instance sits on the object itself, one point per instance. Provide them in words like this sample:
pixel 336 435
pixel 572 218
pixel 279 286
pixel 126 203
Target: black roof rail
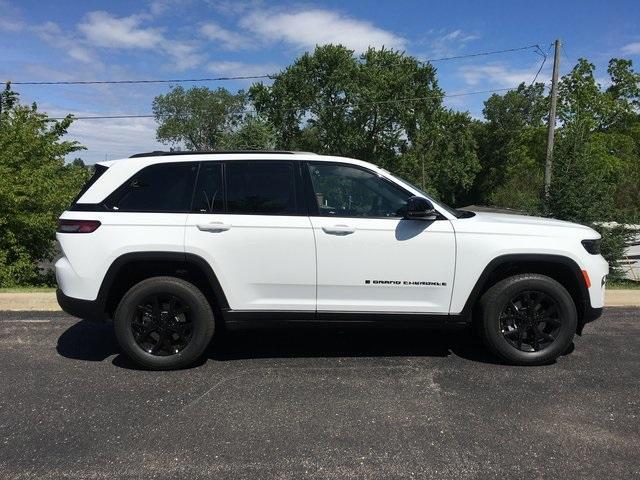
pixel 162 153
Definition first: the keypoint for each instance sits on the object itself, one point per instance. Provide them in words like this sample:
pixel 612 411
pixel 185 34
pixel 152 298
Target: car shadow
pixel 89 341
pixel 96 342
pixel 408 229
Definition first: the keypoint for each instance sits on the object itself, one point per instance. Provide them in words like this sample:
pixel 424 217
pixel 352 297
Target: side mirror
pixel 419 208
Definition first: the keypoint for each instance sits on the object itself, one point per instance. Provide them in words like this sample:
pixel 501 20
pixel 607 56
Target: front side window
pixel 164 187
pixel 260 188
pixel 348 191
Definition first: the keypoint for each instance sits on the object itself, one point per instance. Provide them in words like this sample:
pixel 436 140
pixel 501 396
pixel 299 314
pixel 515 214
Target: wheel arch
pixel 131 268
pixel 561 268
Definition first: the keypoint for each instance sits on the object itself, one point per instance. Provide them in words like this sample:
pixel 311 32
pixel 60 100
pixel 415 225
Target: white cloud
pixel 51 33
pixel 631 49
pixel 234 7
pixel 242 69
pixel 184 56
pixel 444 43
pixel 114 138
pixel 459 36
pixel 499 75
pixel 10 20
pixel 308 28
pixel 11 25
pixel 226 38
pixel 102 29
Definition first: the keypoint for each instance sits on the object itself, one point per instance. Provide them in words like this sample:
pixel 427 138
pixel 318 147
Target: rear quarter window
pixel 98 170
pixel 164 187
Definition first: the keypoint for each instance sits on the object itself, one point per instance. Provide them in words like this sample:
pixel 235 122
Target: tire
pixel 164 323
pixel 528 319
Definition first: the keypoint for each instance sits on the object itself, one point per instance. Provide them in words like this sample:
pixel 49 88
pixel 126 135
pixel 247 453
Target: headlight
pixel 592 246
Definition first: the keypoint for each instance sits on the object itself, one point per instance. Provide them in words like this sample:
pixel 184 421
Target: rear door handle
pixel 338 229
pixel 213 227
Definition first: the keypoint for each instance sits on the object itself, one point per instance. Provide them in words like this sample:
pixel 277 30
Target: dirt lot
pixel 324 404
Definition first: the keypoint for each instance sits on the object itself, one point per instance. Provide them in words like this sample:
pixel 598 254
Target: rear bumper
pixel 85 309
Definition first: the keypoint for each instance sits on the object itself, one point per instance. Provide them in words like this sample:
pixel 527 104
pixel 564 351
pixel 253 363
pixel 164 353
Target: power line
pixel 544 60
pixel 564 50
pixel 246 77
pixel 174 80
pixel 481 54
pixel 394 100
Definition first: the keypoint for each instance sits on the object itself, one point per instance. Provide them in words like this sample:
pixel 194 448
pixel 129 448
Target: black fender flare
pixel 178 257
pixel 583 306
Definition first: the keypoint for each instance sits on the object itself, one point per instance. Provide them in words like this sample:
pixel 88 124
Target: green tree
pixel 369 107
pixel 254 133
pixel 35 187
pixel 383 106
pixel 443 159
pixel 597 144
pixel 199 118
pixel 511 149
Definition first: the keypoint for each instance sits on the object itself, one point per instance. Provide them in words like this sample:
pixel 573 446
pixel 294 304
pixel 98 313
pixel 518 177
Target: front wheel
pixel 528 319
pixel 164 323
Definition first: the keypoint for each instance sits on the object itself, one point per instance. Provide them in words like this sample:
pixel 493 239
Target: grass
pixel 623 285
pixel 27 289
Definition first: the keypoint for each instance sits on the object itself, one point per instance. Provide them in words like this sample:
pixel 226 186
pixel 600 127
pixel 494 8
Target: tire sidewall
pixel 507 290
pixel 200 315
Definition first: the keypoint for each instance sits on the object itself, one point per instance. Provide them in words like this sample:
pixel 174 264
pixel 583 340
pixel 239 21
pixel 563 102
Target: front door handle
pixel 338 229
pixel 213 227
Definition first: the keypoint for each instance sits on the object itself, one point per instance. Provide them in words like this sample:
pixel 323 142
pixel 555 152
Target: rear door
pixel 249 221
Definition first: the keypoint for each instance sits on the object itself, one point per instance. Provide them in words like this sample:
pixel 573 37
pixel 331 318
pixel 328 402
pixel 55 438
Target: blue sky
pixel 99 40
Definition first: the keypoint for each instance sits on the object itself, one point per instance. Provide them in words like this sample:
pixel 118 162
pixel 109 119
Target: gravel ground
pixel 325 404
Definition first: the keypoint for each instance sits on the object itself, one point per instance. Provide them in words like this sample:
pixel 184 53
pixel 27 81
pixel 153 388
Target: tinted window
pixel 209 195
pixel 261 188
pixel 346 191
pixel 165 187
pixel 98 170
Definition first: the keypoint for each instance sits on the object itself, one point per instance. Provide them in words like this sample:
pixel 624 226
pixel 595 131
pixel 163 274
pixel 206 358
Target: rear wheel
pixel 528 319
pixel 164 323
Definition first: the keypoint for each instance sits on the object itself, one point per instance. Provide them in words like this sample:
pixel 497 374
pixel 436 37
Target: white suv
pixel 171 245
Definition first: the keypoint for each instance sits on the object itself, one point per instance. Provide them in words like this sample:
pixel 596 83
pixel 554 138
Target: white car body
pixel 315 264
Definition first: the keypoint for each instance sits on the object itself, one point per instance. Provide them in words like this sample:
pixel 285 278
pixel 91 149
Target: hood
pixel 526 225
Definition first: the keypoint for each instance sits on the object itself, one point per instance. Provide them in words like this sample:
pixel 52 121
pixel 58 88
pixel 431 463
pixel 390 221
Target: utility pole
pixel 552 120
pixel 7 89
pixel 1 101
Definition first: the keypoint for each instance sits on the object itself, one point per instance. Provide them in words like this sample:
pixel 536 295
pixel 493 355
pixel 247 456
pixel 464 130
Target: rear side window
pixel 209 195
pixel 164 187
pixel 261 188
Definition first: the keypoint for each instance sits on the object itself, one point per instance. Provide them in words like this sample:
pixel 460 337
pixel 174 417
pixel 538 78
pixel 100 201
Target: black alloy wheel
pixel 531 321
pixel 527 319
pixel 162 325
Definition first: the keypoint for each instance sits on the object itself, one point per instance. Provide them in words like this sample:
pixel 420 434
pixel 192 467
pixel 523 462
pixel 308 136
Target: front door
pixel 250 225
pixel 369 258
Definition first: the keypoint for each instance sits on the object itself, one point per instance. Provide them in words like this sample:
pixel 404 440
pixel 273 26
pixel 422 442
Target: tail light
pixel 77 226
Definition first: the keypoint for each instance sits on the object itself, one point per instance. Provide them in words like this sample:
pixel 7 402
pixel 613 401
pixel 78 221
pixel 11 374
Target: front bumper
pixel 590 314
pixel 85 309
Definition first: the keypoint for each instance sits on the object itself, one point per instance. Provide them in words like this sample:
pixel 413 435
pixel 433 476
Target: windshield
pixel 453 211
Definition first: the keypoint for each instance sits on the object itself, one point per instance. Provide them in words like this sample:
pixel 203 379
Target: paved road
pixel 321 405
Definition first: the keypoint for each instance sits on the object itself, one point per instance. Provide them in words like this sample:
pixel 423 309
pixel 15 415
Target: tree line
pixel 382 106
